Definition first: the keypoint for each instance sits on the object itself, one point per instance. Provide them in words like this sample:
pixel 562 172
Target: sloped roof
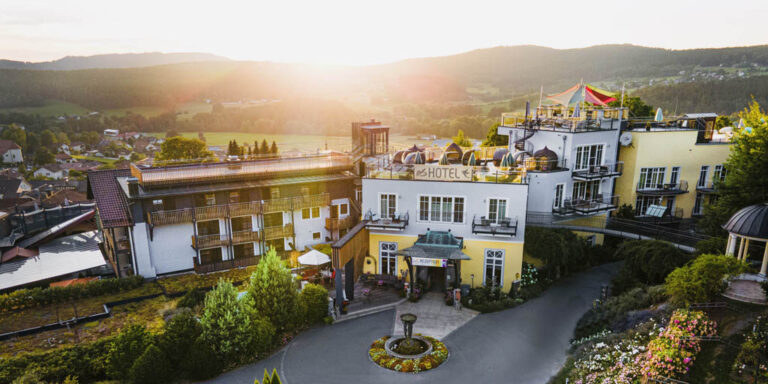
pixel 751 221
pixel 6 145
pixel 110 199
pixel 69 195
pixel 9 186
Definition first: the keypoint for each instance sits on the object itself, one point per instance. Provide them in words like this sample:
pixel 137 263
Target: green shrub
pixel 128 346
pixel 86 361
pixel 27 298
pixel 269 379
pixel 152 367
pixel 614 309
pixel 179 337
pixel 712 246
pixel 315 301
pixel 646 262
pixel 702 279
pixel 274 291
pixel 232 327
pixel 202 362
pixel 191 299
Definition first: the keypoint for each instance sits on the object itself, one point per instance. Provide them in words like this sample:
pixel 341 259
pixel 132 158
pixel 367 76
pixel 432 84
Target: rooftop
pixel 110 200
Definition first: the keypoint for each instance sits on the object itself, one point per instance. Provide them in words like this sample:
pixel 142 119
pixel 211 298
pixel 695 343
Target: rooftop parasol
pixel 659 115
pixel 583 93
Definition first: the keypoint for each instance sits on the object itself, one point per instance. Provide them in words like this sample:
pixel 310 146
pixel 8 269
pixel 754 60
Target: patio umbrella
pixel 472 161
pixel 583 93
pixel 576 111
pixel 725 130
pixel 314 257
pixel 420 158
pixel 659 115
pixel 741 124
pixel 443 159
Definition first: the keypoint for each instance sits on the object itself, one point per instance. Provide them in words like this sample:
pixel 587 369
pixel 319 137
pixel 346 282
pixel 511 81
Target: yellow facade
pixel 475 249
pixel 668 149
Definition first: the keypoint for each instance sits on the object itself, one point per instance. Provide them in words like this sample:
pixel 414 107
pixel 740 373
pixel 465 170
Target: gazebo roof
pixel 751 221
pixel 437 245
pixel 546 152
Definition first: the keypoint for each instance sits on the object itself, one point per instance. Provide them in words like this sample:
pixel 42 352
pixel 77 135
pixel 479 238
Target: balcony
pixel 706 187
pixel 278 232
pixel 340 223
pixel 319 200
pixel 662 189
pixel 245 209
pixel 178 216
pixel 241 262
pixel 587 206
pixel 596 172
pixel 211 212
pixel 244 236
pixel 541 165
pixel 209 241
pixel 397 223
pixel 504 227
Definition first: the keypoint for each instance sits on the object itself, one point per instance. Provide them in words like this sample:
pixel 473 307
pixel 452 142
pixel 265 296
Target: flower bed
pixel 673 352
pixel 379 355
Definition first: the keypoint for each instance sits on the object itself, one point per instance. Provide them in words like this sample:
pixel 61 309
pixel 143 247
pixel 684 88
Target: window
pixel 234 197
pixel 277 244
pixel 388 258
pixel 674 176
pixel 210 199
pixel 240 251
pixel 359 194
pixel 316 235
pixel 210 255
pixel 441 209
pixel 703 175
pixel 719 173
pixel 559 193
pixel 242 223
pixel 208 227
pixel 643 202
pixel 494 267
pixel 585 190
pixel 310 213
pixel 388 205
pixel 698 204
pixel 274 193
pixel 652 178
pixel 497 210
pixel 588 156
pixel 157 205
pixel 344 209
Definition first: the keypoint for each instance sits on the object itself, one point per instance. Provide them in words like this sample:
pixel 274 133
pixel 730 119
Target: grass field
pixel 304 143
pixel 50 108
pixel 146 111
pixel 99 159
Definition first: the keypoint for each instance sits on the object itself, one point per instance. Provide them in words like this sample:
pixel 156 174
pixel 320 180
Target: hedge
pixel 28 298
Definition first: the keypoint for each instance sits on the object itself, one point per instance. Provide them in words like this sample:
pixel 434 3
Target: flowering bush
pixel 616 360
pixel 530 275
pixel 673 352
pixel 379 355
pixel 750 359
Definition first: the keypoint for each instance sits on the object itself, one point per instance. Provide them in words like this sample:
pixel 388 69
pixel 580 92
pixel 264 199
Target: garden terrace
pixel 553 118
pixel 206 173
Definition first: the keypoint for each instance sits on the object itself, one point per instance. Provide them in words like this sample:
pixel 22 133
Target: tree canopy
pixel 180 148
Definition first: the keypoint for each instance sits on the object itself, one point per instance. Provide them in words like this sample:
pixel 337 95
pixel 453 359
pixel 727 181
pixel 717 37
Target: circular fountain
pixel 409 346
pixel 408 353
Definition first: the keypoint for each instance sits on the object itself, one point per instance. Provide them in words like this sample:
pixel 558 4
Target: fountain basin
pixel 399 347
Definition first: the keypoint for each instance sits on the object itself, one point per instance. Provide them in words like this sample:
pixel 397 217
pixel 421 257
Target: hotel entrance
pixel 434 260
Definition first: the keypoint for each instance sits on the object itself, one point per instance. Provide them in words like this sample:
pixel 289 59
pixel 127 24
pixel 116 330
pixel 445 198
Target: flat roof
pixel 58 257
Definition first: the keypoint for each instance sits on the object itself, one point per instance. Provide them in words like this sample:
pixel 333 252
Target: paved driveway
pixel 526 344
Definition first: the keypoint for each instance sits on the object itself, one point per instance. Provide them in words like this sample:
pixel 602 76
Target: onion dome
pixel 751 222
pixel 397 158
pixel 546 152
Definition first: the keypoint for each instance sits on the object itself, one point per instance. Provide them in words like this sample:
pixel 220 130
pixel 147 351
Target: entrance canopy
pixel 436 245
pixel 583 93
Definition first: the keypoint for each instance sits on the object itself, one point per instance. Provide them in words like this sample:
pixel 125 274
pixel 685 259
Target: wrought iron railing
pixel 587 205
pixel 506 226
pixel 599 171
pixel 662 188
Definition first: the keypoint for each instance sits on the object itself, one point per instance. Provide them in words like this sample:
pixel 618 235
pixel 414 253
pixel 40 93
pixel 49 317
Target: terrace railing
pixel 662 189
pixel 594 172
pixel 504 227
pixel 587 206
pixel 278 232
pixel 209 241
pixel 240 262
pixel 245 209
pixel 340 223
pixel 245 236
pixel 480 174
pixel 399 222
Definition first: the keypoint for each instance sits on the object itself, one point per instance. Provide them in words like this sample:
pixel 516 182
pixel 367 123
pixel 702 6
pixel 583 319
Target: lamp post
pixel 472 278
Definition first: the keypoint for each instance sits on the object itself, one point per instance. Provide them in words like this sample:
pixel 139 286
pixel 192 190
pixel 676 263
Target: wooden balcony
pixel 178 216
pixel 277 205
pixel 210 212
pixel 208 241
pixel 277 232
pixel 241 262
pixel 342 223
pixel 245 209
pixel 319 200
pixel 244 236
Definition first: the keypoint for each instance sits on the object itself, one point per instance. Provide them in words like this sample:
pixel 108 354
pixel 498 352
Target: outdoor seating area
pixel 370 294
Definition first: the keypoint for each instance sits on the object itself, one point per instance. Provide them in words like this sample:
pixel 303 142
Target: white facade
pixel 53 174
pixel 12 156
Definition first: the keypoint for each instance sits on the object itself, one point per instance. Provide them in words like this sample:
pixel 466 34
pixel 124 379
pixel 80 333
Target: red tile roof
pixel 110 199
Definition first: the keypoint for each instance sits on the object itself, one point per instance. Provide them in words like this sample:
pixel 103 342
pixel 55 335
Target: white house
pixel 111 132
pixel 10 151
pixel 53 171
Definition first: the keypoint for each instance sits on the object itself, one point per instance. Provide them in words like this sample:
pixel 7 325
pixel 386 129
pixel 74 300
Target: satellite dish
pixel 625 139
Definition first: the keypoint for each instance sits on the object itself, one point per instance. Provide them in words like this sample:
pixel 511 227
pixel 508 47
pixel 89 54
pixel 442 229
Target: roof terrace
pixel 560 118
pixel 230 171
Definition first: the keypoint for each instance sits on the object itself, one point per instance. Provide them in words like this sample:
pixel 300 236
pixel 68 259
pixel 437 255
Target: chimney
pixel 133 186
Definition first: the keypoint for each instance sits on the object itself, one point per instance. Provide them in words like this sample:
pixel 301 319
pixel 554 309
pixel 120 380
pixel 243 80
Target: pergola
pixel 748 224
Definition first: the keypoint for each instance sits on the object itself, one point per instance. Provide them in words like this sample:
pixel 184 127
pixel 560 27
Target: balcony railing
pixel 278 232
pixel 187 215
pixel 209 241
pixel 480 174
pixel 397 223
pixel 587 206
pixel 706 187
pixel 534 165
pixel 662 189
pixel 595 172
pixel 342 223
pixel 240 262
pixel 504 227
pixel 244 236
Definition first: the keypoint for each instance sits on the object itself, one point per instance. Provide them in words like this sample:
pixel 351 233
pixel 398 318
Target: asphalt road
pixel 526 344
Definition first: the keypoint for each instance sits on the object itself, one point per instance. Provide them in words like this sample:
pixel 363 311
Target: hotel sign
pixel 442 173
pixel 427 262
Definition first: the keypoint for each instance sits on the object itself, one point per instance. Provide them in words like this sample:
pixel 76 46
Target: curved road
pixel 525 344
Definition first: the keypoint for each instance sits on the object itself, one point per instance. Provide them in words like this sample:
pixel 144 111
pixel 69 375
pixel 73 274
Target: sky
pixel 362 32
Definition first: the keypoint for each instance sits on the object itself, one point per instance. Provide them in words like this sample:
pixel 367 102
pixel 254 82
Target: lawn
pixel 302 143
pixel 102 160
pixel 145 111
pixel 50 108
